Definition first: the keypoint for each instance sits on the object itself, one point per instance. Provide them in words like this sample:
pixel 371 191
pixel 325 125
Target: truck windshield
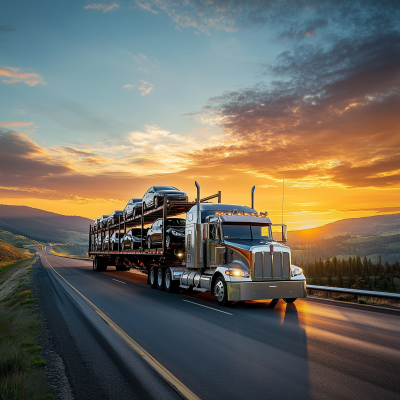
pixel 247 232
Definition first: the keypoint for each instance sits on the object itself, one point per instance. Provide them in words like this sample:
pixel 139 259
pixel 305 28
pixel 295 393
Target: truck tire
pixel 160 279
pixel 221 292
pixel 95 264
pixel 290 300
pixel 169 285
pixel 153 277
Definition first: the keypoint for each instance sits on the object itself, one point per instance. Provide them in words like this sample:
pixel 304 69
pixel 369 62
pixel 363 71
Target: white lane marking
pixel 201 305
pixel 118 281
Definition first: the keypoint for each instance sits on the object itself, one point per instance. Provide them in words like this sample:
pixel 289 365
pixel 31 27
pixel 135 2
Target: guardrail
pixel 357 292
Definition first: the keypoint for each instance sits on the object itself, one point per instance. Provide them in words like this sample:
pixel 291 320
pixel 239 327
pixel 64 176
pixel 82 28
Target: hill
pixel 378 225
pixel 16 240
pixel 369 236
pixel 9 254
pixel 44 226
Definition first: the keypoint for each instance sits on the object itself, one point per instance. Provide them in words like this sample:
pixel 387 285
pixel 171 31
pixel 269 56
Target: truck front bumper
pixel 266 290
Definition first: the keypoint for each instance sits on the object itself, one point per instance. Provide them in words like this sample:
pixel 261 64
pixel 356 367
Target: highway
pixel 305 350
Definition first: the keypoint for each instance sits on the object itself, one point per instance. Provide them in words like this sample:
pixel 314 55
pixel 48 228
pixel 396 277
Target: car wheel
pixel 152 277
pixel 220 292
pixel 290 300
pixel 156 202
pixel 160 279
pixel 132 245
pixel 112 246
pixel 170 285
pixel 167 241
pixel 144 207
pixel 123 246
pixel 134 213
pixel 149 242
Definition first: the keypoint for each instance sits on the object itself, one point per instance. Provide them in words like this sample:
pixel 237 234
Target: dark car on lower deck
pixel 174 233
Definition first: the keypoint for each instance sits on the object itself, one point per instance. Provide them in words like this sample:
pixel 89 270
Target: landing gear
pixel 221 292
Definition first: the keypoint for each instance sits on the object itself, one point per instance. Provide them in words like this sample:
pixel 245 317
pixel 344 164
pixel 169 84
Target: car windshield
pixel 137 232
pixel 165 188
pixel 176 222
pixel 247 232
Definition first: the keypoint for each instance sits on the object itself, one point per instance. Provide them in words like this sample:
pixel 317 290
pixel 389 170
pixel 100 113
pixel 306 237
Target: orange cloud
pixel 129 86
pixel 5 124
pixel 146 87
pixel 15 75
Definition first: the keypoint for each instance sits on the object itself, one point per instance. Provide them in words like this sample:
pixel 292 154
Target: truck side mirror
pixel 284 233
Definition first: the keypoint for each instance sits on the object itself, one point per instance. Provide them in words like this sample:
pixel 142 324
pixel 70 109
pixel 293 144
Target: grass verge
pixel 22 374
pixel 353 299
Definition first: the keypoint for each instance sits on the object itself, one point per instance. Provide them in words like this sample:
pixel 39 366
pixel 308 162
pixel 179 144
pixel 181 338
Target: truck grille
pixel 271 266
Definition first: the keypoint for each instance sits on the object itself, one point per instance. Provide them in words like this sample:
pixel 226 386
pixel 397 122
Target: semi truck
pixel 229 251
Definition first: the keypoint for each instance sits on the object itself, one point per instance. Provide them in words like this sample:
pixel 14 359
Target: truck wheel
pixel 153 277
pixel 290 300
pixel 160 279
pixel 221 292
pixel 169 284
pixel 95 264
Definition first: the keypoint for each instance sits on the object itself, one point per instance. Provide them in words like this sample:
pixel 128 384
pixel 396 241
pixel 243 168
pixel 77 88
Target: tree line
pixel 353 272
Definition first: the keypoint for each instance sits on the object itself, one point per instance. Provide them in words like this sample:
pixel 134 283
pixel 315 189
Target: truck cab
pixel 238 258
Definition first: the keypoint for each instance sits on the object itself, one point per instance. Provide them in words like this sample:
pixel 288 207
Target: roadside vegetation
pixel 15 240
pixel 354 272
pixel 22 374
pixel 69 250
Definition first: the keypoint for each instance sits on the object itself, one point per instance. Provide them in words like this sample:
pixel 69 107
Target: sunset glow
pixel 156 93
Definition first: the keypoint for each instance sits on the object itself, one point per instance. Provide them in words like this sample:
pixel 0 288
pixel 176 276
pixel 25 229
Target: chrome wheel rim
pixel 167 279
pixel 159 277
pixel 152 276
pixel 219 291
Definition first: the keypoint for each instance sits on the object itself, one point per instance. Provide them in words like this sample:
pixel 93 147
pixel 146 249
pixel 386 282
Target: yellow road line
pixel 175 382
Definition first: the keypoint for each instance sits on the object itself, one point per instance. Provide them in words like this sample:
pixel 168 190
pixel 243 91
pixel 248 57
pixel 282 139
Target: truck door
pixel 213 240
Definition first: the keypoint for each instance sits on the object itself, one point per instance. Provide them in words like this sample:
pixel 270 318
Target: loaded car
pixel 132 239
pixel 174 233
pixel 96 224
pixel 131 206
pixel 114 218
pixel 103 221
pixel 114 240
pixel 105 242
pixel 154 197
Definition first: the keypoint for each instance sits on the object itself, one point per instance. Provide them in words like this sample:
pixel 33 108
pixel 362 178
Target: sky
pixel 100 101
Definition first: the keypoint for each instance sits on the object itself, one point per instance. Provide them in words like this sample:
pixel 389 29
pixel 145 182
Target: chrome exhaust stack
pixel 199 233
pixel 252 196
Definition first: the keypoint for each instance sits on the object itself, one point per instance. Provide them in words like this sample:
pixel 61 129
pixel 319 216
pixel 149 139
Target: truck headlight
pixel 238 273
pixel 177 233
pixel 296 270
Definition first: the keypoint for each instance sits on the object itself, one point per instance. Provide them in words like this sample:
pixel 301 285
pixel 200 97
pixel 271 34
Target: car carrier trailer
pixel 229 252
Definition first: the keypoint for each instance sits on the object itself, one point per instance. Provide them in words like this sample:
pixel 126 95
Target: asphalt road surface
pixel 256 350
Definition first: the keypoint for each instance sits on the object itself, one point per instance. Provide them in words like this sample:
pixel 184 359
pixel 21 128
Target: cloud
pixel 146 87
pixel 5 124
pixel 99 6
pixel 19 111
pixel 15 75
pixel 328 116
pixel 129 86
pixel 6 28
pixel 146 6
